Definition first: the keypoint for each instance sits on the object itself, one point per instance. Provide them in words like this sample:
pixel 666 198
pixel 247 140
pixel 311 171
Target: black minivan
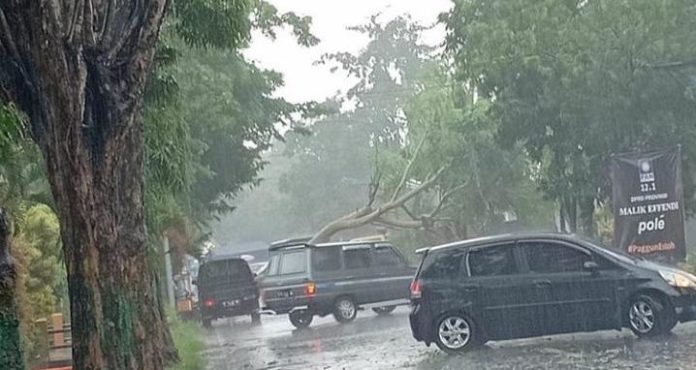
pixel 226 288
pixel 517 286
pixel 340 278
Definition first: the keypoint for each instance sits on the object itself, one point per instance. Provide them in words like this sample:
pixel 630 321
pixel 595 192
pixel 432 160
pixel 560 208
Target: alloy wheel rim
pixel 454 332
pixel 642 317
pixel 346 308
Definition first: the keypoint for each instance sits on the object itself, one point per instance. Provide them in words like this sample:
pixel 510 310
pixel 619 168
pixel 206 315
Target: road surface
pixel 376 343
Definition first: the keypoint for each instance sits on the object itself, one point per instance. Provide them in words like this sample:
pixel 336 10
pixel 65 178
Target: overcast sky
pixel 304 81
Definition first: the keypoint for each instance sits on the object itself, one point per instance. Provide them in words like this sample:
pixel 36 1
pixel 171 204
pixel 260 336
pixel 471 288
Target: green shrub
pixel 188 339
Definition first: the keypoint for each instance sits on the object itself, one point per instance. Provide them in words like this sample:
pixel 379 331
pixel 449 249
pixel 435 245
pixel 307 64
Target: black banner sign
pixel 648 204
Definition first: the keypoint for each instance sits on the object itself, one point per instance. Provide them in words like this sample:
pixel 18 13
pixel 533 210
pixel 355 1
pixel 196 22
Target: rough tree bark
pixel 10 349
pixel 77 70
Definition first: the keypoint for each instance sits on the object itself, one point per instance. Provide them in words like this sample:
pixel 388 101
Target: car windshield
pixel 229 270
pixel 245 184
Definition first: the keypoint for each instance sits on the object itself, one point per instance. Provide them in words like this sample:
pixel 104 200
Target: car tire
pixel 456 333
pixel 648 316
pixel 301 319
pixel 345 310
pixel 386 310
pixel 255 318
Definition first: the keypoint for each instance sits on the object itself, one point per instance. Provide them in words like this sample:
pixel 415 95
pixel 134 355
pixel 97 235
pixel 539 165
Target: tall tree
pixel 574 81
pixel 430 145
pixel 209 114
pixel 337 159
pixel 77 71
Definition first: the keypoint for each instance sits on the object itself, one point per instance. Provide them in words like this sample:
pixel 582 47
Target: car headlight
pixel 679 279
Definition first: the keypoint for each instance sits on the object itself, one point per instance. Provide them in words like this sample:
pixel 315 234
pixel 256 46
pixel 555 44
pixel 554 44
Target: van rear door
pixel 284 282
pixel 224 282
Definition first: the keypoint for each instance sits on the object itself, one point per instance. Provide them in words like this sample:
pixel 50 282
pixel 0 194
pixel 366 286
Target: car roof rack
pixel 292 242
pixel 220 257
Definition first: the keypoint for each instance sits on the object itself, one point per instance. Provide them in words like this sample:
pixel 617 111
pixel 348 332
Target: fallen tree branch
pixel 404 175
pixel 368 215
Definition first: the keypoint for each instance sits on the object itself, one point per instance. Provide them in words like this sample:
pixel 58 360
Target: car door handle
pixel 542 283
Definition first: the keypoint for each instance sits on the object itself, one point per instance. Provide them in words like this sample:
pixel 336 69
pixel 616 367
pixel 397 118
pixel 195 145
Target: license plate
pixel 285 294
pixel 230 303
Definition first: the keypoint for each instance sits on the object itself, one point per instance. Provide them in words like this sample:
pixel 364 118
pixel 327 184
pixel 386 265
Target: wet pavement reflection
pixel 373 342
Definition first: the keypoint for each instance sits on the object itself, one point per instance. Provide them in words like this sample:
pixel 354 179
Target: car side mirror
pixel 590 266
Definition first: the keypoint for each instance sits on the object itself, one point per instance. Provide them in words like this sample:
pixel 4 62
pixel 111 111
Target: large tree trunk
pixel 78 69
pixel 116 321
pixel 10 349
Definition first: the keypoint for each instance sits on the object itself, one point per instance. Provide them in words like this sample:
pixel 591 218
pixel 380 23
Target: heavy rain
pixel 385 184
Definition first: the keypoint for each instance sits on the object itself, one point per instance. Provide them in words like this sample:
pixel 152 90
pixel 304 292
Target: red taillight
pixel 416 291
pixel 310 289
pixel 209 303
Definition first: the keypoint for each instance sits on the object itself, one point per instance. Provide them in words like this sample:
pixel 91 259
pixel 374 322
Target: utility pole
pixel 168 271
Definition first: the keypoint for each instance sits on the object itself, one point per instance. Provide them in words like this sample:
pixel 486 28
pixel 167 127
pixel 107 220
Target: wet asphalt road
pixel 372 342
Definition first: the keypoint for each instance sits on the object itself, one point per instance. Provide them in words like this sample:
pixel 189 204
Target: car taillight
pixel 209 303
pixel 310 289
pixel 416 291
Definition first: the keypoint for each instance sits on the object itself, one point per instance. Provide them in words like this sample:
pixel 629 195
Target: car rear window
pixel 293 262
pixel 492 261
pixel 225 269
pixel 273 265
pixel 442 265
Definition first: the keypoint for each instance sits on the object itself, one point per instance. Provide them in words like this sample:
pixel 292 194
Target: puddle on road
pixel 375 344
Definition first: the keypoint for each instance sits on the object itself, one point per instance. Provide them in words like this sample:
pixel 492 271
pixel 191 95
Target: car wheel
pixel 386 310
pixel 648 317
pixel 301 318
pixel 345 310
pixel 455 333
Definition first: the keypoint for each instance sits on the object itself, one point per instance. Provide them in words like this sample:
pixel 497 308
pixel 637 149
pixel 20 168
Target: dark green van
pixel 304 280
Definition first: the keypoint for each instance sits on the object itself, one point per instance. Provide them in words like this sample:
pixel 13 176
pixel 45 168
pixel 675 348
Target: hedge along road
pixel 375 343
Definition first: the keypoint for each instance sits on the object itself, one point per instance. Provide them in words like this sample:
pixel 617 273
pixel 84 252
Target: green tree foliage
pixel 233 119
pixel 42 285
pixel 335 163
pixel 574 81
pixel 24 192
pixel 209 112
pixel 12 128
pixel 483 183
pixel 411 121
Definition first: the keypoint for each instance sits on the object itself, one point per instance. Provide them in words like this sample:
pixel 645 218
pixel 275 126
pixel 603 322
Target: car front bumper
pixel 685 306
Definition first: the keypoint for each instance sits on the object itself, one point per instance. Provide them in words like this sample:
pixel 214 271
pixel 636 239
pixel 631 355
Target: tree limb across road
pixel 379 215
